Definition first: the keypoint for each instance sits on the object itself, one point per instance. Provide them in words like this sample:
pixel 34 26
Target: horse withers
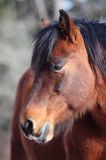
pixel 60 106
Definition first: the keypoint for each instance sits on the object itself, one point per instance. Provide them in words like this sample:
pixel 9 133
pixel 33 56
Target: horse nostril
pixel 27 127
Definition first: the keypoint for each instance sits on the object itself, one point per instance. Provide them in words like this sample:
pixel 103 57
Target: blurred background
pixel 19 21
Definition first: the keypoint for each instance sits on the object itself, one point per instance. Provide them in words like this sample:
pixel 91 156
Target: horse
pixel 60 105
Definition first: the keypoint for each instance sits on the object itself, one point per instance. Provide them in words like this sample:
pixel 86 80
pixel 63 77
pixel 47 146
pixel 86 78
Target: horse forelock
pixel 44 44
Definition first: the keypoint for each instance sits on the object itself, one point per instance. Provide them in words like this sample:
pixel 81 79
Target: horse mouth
pixel 40 139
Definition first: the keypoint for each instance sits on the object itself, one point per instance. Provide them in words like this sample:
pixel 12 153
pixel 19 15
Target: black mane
pixel 93 33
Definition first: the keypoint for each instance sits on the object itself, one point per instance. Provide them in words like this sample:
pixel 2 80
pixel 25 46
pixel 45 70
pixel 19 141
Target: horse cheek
pixel 82 89
pixel 78 87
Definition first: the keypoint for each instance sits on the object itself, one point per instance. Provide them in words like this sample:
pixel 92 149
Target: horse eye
pixel 56 67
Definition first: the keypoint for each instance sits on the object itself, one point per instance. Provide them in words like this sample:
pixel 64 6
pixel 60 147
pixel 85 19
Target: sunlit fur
pixel 72 99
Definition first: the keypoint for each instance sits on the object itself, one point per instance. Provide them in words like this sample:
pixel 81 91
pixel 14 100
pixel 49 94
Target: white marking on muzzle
pixel 46 134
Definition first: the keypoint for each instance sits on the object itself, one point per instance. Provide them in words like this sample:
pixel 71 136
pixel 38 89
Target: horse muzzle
pixel 42 135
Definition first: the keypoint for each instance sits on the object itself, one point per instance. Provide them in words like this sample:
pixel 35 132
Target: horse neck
pixel 99 112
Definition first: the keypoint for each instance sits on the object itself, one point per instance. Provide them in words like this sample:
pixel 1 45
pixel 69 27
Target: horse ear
pixel 67 27
pixel 44 23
